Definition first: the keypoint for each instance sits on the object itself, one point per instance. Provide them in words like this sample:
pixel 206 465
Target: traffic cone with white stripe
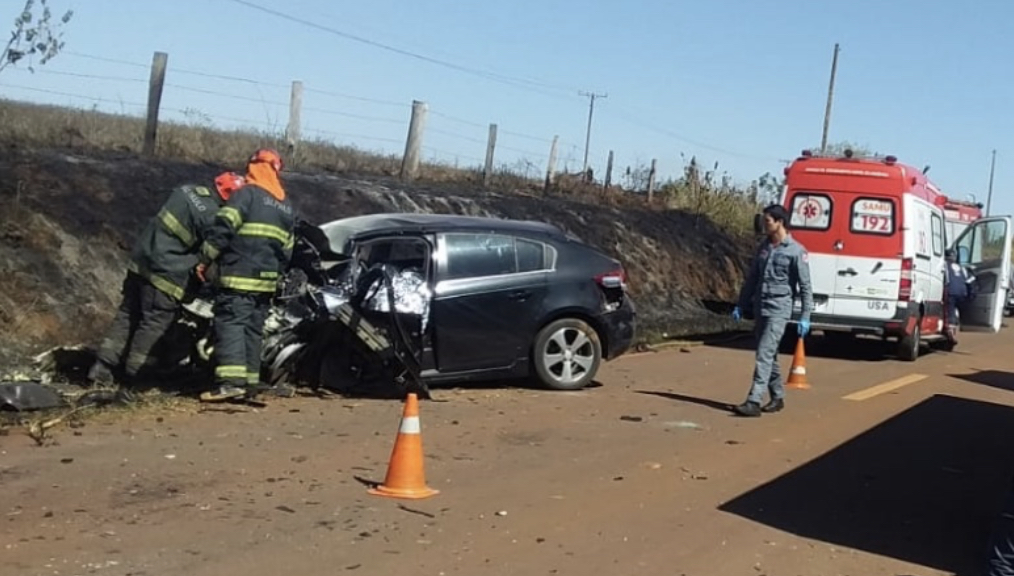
pixel 406 476
pixel 797 374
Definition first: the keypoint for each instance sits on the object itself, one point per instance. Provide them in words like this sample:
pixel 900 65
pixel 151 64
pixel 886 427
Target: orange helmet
pixel 228 182
pixel 268 156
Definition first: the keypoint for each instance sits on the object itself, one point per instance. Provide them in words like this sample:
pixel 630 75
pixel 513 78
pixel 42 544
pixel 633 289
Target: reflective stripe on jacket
pixel 167 250
pixel 251 240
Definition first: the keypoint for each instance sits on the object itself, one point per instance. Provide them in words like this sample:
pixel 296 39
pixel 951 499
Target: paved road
pixel 883 467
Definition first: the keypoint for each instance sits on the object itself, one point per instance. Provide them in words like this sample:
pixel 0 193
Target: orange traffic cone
pixel 797 374
pixel 405 475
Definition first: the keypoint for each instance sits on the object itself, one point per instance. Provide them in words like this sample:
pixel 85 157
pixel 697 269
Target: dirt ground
pixel 647 473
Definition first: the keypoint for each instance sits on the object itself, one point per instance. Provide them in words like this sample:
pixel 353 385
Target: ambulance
pixel 876 231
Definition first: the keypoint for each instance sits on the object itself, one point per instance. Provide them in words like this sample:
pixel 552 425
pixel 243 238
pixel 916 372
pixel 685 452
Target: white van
pixel 876 231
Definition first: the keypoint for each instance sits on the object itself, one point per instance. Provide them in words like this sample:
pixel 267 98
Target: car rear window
pixel 811 211
pixel 872 216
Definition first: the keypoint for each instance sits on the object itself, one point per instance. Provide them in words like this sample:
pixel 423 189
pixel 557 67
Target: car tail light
pixel 616 278
pixel 905 286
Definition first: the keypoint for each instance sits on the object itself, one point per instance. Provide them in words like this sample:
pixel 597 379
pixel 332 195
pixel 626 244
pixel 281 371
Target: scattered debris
pixel 25 396
pixel 501 513
pixel 684 424
pixel 631 418
pixel 404 508
pixel 284 508
pixel 37 428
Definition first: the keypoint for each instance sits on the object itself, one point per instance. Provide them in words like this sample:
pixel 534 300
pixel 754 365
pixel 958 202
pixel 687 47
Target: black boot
pixel 775 405
pixel 748 409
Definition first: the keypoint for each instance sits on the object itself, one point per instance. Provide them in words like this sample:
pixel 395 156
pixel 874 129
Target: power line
pixel 524 83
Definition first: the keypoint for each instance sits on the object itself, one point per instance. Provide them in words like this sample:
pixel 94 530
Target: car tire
pixel 567 354
pixel 908 346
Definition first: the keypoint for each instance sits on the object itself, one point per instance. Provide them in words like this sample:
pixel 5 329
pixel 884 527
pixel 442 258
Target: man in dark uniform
pixel 251 241
pixel 159 278
pixel 780 272
pixel 960 289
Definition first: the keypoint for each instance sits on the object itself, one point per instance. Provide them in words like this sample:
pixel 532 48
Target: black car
pixel 501 298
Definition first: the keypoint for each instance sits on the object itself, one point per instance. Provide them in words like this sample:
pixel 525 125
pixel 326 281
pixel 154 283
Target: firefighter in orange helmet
pixel 251 243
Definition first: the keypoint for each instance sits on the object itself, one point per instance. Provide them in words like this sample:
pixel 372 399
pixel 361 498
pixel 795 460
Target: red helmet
pixel 268 156
pixel 228 182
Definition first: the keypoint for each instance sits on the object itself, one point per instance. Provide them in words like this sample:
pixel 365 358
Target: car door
pixel 484 309
pixel 985 249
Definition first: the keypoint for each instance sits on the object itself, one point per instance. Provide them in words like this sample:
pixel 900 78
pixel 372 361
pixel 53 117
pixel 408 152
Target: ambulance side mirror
pixel 963 256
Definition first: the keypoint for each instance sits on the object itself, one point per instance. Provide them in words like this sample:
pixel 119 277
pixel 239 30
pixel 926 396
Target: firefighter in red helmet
pixel 159 279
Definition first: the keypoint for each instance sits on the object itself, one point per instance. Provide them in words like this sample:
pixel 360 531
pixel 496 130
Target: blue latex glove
pixel 737 315
pixel 804 328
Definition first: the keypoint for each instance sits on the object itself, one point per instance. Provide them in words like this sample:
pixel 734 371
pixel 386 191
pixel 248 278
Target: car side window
pixel 531 255
pixel 478 255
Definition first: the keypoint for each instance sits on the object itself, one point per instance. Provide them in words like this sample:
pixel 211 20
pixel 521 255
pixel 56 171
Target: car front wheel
pixel 567 354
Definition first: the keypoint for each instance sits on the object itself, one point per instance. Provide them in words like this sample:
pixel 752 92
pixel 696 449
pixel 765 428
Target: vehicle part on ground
pixel 25 396
pixel 567 354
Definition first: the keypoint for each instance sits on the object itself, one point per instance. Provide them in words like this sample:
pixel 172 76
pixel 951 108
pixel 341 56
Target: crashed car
pixel 464 298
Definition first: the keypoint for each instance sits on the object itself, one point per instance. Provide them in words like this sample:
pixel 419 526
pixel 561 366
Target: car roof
pixel 340 231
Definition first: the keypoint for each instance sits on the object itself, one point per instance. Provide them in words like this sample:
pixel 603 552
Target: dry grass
pixel 695 191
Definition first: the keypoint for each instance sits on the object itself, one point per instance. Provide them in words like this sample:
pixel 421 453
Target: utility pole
pixel 989 195
pixel 591 109
pixel 830 98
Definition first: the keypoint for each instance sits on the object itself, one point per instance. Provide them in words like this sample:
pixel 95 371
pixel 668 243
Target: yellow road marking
pixel 889 386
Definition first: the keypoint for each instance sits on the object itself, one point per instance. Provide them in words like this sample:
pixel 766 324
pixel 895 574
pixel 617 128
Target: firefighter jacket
pixel 168 248
pixel 251 240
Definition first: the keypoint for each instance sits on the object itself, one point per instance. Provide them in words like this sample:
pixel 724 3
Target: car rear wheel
pixel 567 354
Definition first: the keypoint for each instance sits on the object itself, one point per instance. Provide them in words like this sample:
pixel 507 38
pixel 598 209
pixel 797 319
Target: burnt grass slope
pixel 68 221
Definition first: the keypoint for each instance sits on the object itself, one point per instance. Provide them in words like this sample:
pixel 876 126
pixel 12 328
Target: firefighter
pixel 159 278
pixel 251 242
pixel 779 273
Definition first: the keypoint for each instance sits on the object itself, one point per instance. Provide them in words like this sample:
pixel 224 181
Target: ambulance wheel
pixel 908 346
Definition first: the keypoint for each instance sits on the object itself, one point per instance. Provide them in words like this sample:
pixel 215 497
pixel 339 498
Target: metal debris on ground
pixel 27 396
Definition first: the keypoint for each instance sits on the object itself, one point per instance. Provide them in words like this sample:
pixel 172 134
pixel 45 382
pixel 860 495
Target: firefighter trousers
pixel 239 326
pixel 142 321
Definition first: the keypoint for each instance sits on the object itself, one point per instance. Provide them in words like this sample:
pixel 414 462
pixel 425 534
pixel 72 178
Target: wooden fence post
pixel 487 172
pixel 609 171
pixel 155 84
pixel 410 161
pixel 551 167
pixel 293 130
pixel 651 180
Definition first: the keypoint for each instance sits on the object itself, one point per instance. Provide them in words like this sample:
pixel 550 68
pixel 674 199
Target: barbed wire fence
pixel 435 130
pixel 300 114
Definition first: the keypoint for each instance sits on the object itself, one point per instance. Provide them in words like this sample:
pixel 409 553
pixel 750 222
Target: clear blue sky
pixel 738 82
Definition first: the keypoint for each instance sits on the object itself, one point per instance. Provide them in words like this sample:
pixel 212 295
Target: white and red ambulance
pixel 876 231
